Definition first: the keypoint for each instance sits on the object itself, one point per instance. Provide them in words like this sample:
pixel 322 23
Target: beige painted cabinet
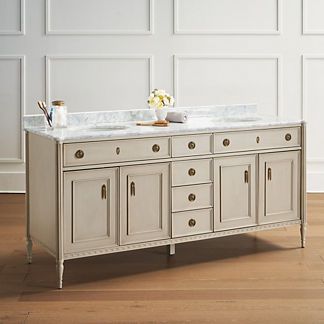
pixel 234 184
pixel 144 203
pixel 90 209
pixel 279 194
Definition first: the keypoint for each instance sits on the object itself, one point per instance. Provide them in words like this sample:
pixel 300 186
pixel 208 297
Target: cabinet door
pixel 279 187
pixel 234 198
pixel 144 198
pixel 90 213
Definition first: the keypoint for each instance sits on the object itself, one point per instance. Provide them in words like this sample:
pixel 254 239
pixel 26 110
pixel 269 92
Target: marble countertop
pixel 93 126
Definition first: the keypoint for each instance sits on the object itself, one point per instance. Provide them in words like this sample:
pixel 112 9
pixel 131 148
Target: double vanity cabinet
pixel 101 196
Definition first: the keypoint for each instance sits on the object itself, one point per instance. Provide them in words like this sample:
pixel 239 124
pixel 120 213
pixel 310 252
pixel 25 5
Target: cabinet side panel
pixel 42 190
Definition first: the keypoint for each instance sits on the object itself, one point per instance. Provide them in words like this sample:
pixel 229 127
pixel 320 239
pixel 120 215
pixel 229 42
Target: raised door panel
pixel 145 207
pixel 279 187
pixel 235 183
pixel 90 209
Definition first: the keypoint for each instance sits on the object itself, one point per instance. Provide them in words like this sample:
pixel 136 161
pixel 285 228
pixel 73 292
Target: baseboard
pixel 12 182
pixel 315 182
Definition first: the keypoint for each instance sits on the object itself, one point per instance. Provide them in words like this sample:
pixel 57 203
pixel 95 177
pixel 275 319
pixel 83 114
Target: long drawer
pixel 192 222
pixel 191 145
pixel 191 172
pixel 256 139
pixel 192 197
pixel 116 151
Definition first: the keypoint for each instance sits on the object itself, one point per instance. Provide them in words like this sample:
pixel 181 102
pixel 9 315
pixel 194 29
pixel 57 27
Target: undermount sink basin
pixel 240 120
pixel 104 128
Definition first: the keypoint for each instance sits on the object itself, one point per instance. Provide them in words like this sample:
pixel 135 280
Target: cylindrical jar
pixel 59 114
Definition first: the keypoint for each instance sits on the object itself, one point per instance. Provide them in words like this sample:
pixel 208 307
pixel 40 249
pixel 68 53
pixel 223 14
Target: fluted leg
pixel 29 247
pixel 172 249
pixel 303 235
pixel 60 270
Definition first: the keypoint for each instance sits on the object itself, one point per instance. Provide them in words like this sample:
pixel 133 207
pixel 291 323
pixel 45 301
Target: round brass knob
pixel 191 145
pixel 117 150
pixel 192 197
pixel 156 148
pixel 79 154
pixel 226 142
pixel 191 172
pixel 192 222
pixel 288 137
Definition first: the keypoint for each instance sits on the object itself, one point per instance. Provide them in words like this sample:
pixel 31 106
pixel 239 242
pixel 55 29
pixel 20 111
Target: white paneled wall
pixel 108 54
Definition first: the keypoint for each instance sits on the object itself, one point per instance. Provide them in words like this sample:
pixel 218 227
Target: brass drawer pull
pixel 191 145
pixel 132 188
pixel 269 174
pixel 103 192
pixel 288 137
pixel 246 176
pixel 192 222
pixel 191 172
pixel 79 154
pixel 258 139
pixel 226 142
pixel 156 148
pixel 117 150
pixel 192 197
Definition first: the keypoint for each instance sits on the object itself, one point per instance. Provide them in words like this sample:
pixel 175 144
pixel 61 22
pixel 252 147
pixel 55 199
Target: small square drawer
pixel 256 139
pixel 191 172
pixel 116 151
pixel 192 197
pixel 192 222
pixel 191 145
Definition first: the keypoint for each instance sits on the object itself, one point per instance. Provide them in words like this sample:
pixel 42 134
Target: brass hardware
pixel 269 174
pixel 79 154
pixel 117 150
pixel 191 145
pixel 226 142
pixel 192 222
pixel 288 137
pixel 246 176
pixel 191 172
pixel 257 139
pixel 192 197
pixel 132 188
pixel 58 103
pixel 156 148
pixel 103 192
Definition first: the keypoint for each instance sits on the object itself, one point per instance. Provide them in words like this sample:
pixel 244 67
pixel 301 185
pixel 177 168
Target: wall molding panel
pixel 226 31
pixel 99 31
pixel 21 30
pixel 306 30
pixel 21 109
pixel 255 57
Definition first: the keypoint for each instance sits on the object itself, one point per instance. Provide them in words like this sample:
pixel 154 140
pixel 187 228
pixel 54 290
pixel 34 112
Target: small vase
pixel 161 113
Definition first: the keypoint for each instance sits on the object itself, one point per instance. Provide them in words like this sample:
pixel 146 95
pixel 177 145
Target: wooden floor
pixel 252 278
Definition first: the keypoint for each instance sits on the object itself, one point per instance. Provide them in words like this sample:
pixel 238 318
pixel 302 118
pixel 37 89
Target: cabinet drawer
pixel 192 145
pixel 191 172
pixel 116 151
pixel 192 197
pixel 192 222
pixel 256 139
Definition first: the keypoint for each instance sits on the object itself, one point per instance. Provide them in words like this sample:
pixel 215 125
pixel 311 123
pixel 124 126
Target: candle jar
pixel 59 114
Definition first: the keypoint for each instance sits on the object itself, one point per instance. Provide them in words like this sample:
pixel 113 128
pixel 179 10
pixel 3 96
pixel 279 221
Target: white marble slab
pixel 91 126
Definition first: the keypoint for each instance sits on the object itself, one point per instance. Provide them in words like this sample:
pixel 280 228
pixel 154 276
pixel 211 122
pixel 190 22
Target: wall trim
pixel 22 29
pixel 21 58
pixel 84 32
pixel 178 30
pixel 277 57
pixel 305 29
pixel 12 182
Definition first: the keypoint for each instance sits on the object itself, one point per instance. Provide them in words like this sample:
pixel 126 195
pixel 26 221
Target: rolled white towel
pixel 177 117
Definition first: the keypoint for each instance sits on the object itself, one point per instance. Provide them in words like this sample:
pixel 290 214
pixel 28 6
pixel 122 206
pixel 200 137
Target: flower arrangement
pixel 159 99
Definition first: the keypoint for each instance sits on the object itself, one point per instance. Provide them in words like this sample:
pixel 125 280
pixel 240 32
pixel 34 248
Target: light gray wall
pixel 108 54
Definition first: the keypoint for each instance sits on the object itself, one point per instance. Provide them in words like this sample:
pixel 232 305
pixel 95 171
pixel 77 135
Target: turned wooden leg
pixel 303 235
pixel 29 247
pixel 60 270
pixel 172 249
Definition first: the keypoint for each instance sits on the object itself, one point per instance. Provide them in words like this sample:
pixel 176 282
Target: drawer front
pixel 256 139
pixel 192 222
pixel 192 197
pixel 116 151
pixel 191 172
pixel 192 145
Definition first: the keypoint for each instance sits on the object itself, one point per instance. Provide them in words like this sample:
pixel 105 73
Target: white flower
pixel 159 98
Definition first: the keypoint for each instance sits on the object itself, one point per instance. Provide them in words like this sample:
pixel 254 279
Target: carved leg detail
pixel 60 270
pixel 303 235
pixel 29 247
pixel 172 249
